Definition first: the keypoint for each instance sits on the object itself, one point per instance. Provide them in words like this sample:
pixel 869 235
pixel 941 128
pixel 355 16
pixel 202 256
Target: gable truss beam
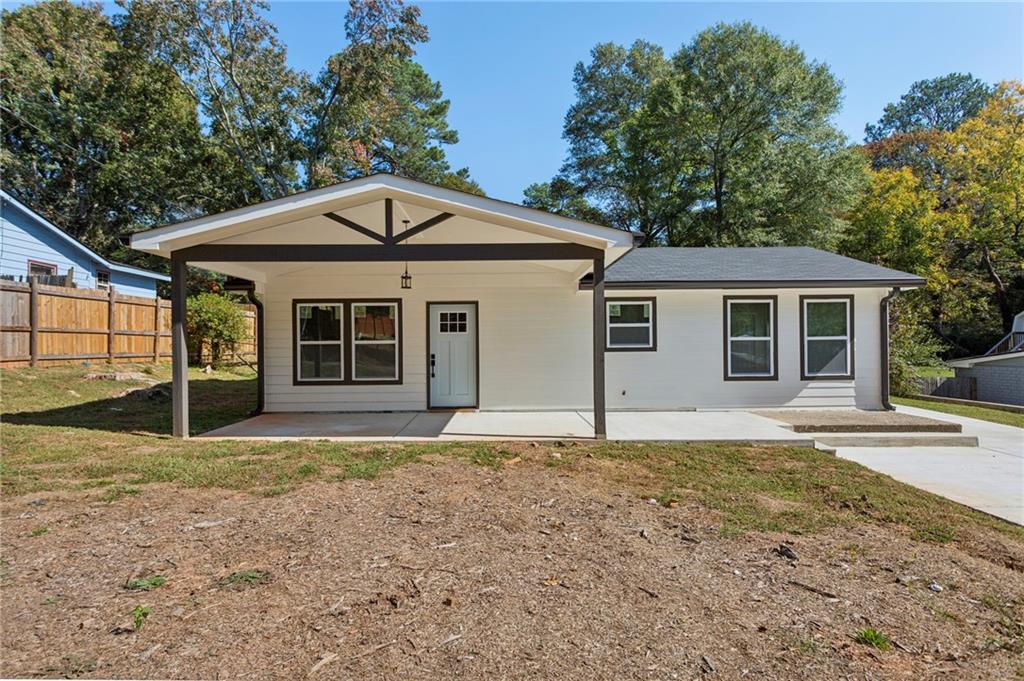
pixel 389 237
pixel 356 227
pixel 423 226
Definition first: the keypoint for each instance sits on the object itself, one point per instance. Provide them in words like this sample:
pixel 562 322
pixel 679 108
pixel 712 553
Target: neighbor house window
pixel 750 330
pixel 103 280
pixel 41 269
pixel 631 324
pixel 347 341
pixel 374 341
pixel 827 336
pixel 319 341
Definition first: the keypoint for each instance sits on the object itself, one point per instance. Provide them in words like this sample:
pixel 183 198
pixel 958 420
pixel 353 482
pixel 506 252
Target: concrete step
pixel 933 427
pixel 887 439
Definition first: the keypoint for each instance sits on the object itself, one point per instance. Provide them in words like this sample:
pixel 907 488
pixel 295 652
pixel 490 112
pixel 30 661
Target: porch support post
pixel 600 428
pixel 179 351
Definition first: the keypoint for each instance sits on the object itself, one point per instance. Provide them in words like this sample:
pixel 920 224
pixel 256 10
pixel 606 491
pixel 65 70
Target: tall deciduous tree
pixel 985 155
pixel 911 127
pixel 95 135
pixel 728 143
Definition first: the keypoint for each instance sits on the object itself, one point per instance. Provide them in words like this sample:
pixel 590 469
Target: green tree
pixel 728 143
pixel 216 323
pixel 562 197
pixel 96 136
pixel 985 155
pixel 941 103
pixel 895 224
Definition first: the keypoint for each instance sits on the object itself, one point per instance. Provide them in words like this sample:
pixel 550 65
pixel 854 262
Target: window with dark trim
pixel 751 333
pixel 826 337
pixel 347 342
pixel 103 280
pixel 630 324
pixel 44 269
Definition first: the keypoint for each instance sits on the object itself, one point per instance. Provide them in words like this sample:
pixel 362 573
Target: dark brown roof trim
pixel 779 283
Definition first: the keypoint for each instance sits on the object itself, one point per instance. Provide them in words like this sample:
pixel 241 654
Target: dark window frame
pixel 850 314
pixel 347 338
pixel 774 300
pixel 40 263
pixel 653 347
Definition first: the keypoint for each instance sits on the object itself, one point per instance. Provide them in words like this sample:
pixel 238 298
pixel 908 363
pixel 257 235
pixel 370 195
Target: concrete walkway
pixel 679 426
pixel 989 477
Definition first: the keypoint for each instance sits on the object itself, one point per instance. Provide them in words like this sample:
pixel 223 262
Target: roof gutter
pixel 754 284
pixel 883 334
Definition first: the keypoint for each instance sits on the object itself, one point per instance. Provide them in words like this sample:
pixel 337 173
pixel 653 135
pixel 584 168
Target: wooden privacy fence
pixel 958 387
pixel 44 325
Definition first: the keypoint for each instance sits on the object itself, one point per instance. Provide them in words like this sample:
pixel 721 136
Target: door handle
pixel 433 363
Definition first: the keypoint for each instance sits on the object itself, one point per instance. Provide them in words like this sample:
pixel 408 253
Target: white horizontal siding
pixel 535 348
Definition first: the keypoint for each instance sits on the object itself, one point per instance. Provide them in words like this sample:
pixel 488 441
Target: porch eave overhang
pixel 586 285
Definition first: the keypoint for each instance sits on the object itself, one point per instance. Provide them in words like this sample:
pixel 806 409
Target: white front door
pixel 452 359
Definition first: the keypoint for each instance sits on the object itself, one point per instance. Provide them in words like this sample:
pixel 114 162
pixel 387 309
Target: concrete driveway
pixel 989 477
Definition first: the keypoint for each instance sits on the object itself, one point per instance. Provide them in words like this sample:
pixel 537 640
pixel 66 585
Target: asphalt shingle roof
pixel 748 267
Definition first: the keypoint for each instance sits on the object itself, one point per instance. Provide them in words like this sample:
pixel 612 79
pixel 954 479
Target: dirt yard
pixel 445 569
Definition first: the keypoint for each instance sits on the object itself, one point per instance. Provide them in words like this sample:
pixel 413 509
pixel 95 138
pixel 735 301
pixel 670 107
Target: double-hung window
pixel 751 326
pixel 631 324
pixel 318 329
pixel 826 335
pixel 374 341
pixel 103 280
pixel 347 341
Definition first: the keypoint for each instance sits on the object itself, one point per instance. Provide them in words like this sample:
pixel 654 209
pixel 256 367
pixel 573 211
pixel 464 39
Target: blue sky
pixel 507 67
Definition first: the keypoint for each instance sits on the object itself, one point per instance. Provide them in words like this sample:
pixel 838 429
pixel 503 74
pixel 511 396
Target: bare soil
pixel 450 570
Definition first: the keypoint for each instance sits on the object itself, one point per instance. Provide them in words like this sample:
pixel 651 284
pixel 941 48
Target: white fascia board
pixel 163 240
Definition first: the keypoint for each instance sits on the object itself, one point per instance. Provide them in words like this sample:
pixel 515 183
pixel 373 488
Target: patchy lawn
pixel 1006 418
pixel 128 553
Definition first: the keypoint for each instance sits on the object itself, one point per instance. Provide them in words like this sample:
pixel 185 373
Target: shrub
pixel 911 344
pixel 215 322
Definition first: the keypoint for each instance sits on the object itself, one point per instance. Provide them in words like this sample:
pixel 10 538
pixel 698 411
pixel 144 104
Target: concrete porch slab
pixel 688 426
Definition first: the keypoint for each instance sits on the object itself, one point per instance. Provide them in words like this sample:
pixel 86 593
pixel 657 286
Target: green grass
pixel 109 448
pixel 934 372
pixel 870 636
pixel 983 413
pixel 146 583
pixel 245 579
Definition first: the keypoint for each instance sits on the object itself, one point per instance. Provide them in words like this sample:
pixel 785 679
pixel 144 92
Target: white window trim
pixel 352 324
pixel 807 337
pixel 770 338
pixel 649 325
pixel 299 342
pixel 99 285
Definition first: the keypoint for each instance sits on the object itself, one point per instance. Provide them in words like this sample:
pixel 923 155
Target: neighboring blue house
pixel 32 245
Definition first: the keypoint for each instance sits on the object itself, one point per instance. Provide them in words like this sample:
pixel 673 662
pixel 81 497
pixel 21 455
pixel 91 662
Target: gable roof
pixel 76 245
pixel 363 190
pixel 762 267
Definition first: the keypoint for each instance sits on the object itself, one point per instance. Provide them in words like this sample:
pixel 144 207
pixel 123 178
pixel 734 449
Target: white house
pixel 387 294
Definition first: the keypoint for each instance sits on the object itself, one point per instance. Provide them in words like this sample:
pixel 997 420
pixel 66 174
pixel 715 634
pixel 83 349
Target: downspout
pixel 251 294
pixel 883 333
